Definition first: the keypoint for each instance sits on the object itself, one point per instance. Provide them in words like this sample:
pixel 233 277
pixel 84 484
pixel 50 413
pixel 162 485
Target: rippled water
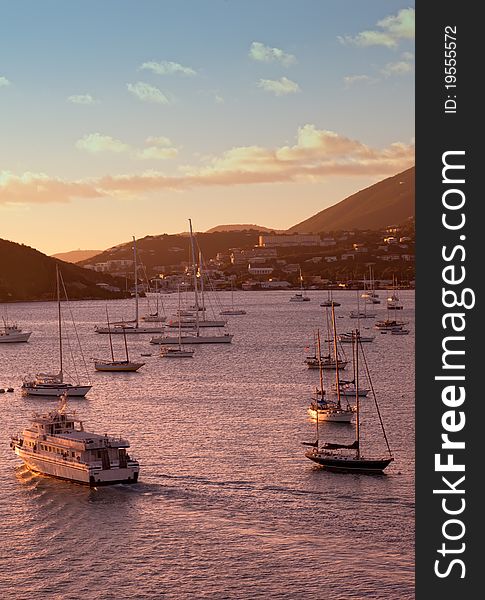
pixel 227 505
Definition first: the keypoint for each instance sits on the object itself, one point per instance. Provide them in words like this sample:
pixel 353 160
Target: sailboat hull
pixel 329 416
pixel 127 330
pixel 54 390
pixel 344 464
pixel 118 366
pixel 13 338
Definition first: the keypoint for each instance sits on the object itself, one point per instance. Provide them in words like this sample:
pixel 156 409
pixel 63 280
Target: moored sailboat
pixel 53 384
pixel 117 366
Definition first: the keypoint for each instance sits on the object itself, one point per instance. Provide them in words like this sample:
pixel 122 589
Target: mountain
pixel 388 202
pixel 75 256
pixel 27 274
pixel 244 227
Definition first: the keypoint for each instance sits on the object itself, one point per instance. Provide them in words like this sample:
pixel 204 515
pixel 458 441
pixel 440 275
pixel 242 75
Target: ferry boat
pixel 13 333
pixel 56 444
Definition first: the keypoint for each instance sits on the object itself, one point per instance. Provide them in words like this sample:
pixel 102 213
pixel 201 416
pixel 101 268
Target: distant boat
pixel 53 384
pixel 179 351
pixel 154 317
pixel 348 458
pixel 346 338
pixel 11 333
pixel 329 302
pixel 130 327
pixel 232 310
pixel 300 296
pixel 196 337
pixel 393 301
pixel 370 294
pixel 117 366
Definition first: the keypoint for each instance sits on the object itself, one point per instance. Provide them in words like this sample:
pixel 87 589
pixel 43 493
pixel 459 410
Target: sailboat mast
pixel 201 277
pixel 194 272
pixel 320 366
pixel 301 281
pixel 180 322
pixel 109 332
pixel 126 345
pixel 355 349
pixel 136 282
pixel 337 376
pixel 59 319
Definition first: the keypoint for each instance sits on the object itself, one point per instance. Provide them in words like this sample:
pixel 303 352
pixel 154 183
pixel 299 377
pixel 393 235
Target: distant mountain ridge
pixel 243 227
pixel 75 256
pixel 388 202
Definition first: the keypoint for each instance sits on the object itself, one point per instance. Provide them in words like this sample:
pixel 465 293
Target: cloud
pixel 317 155
pixel 350 80
pixel 159 148
pixel 397 68
pixel 4 82
pixel 95 142
pixel 262 53
pixel 167 68
pixel 81 99
pixel 393 29
pixel 147 93
pixel 279 87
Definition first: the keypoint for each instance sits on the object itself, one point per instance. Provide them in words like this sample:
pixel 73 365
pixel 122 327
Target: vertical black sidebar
pixel 450 357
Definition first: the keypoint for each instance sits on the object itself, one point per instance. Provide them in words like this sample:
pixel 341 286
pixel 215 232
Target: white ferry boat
pixel 56 444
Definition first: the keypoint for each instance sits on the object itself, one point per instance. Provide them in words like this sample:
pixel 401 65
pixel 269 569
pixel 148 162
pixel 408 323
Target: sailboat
pixel 393 301
pixel 195 338
pixel 300 296
pixel 327 361
pixel 131 326
pixel 154 317
pixel 389 324
pixel 53 384
pixel 179 351
pixel 349 458
pixel 11 333
pixel 348 337
pixel 322 409
pixel 370 294
pixel 329 301
pixel 232 310
pixel 358 314
pixel 117 366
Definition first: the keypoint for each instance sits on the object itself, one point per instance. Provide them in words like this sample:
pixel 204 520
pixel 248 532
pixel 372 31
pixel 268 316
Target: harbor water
pixel 227 506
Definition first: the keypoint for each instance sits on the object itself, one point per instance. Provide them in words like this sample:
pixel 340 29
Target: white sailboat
pixel 53 384
pixel 365 314
pixel 177 351
pixel 393 300
pixel 232 310
pixel 370 294
pixel 134 326
pixel 300 296
pixel 196 337
pixel 117 366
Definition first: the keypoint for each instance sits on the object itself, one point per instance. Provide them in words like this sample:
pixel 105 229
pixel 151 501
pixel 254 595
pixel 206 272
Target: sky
pixel 127 117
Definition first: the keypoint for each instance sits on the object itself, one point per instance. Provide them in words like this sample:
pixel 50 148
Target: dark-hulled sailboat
pixel 348 458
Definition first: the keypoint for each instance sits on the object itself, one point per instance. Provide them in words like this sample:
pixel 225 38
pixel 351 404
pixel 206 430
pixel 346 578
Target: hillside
pixel 172 249
pixel 27 274
pixel 387 202
pixel 75 256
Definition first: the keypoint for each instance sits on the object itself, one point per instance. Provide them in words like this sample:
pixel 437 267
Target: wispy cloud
pixel 350 80
pixel 400 67
pixel 317 155
pixel 167 68
pixel 279 87
pixel 95 143
pixel 4 82
pixel 262 53
pixel 392 29
pixel 81 99
pixel 147 93
pixel 157 147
